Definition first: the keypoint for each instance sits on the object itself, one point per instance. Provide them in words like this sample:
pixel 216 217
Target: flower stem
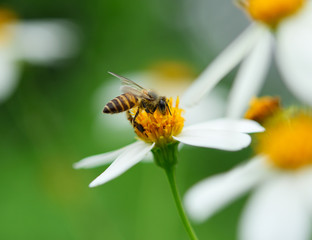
pixel 170 172
pixel 166 158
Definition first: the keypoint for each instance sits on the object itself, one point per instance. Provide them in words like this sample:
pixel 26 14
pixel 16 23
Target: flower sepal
pixel 165 156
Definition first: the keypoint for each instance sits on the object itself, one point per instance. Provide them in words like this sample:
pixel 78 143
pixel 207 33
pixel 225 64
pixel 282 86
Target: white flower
pixel 289 37
pixel 38 42
pixel 224 134
pixel 280 176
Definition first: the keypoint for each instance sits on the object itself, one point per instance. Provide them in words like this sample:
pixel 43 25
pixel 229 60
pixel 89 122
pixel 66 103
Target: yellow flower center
pixel 271 12
pixel 158 127
pixel 171 77
pixel 262 108
pixel 6 17
pixel 172 70
pixel 287 140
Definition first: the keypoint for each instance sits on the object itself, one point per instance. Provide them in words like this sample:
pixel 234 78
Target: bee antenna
pixel 168 108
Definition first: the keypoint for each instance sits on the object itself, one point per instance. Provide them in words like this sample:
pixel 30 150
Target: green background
pixel 47 125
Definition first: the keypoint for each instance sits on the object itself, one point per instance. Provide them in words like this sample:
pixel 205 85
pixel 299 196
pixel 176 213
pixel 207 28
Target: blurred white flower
pixel 280 176
pixel 41 42
pixel 159 130
pixel 280 26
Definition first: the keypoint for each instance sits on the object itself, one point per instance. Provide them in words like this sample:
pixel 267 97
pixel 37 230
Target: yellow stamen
pixel 6 17
pixel 287 140
pixel 160 128
pixel 262 108
pixel 271 12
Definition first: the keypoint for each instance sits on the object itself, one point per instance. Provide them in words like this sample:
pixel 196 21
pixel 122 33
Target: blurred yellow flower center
pixel 158 127
pixel 271 12
pixel 171 77
pixel 173 70
pixel 6 17
pixel 287 140
pixel 262 108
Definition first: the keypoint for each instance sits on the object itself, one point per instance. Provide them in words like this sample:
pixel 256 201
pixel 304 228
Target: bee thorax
pixel 153 95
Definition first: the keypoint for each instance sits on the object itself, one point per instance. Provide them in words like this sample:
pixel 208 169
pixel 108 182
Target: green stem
pixel 173 185
pixel 166 156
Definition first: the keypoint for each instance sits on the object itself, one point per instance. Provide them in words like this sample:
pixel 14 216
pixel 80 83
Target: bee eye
pixel 162 105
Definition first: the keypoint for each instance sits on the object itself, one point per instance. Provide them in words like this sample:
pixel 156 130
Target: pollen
pixel 287 140
pixel 271 12
pixel 6 17
pixel 159 128
pixel 262 108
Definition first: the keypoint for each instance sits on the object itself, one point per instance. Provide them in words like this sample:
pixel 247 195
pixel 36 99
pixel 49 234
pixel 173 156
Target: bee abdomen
pixel 121 103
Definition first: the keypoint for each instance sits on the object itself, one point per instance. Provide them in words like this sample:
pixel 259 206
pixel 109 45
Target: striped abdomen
pixel 121 103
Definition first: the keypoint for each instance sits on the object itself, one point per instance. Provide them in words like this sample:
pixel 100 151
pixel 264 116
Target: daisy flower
pixel 280 176
pixel 161 130
pixel 282 27
pixel 38 42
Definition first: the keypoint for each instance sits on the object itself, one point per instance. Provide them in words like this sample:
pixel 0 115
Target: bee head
pixel 163 105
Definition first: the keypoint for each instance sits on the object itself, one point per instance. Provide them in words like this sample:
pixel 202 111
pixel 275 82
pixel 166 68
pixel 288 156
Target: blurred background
pixel 53 118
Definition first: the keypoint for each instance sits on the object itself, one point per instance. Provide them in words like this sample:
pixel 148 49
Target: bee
pixel 136 96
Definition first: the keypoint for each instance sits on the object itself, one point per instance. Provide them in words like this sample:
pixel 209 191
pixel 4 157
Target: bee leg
pixel 146 108
pixel 134 123
pixel 168 108
pixel 136 114
pixel 129 117
pixel 154 109
pixel 139 127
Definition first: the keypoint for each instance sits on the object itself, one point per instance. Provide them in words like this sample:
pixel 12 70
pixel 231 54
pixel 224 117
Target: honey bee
pixel 136 96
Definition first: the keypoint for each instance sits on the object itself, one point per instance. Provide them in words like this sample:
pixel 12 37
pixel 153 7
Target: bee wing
pixel 141 94
pixel 127 82
pixel 128 86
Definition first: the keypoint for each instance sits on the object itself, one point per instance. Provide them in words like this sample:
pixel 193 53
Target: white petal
pixel 149 158
pixel 224 140
pixel 227 124
pixel 215 102
pixel 294 54
pixel 210 195
pixel 9 72
pixel 251 75
pixel 101 159
pixel 222 65
pixel 276 211
pixel 43 42
pixel 126 160
pixel 304 183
